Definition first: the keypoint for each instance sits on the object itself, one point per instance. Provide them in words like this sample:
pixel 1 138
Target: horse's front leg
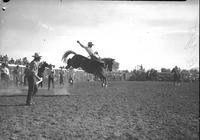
pixel 104 82
pixel 102 79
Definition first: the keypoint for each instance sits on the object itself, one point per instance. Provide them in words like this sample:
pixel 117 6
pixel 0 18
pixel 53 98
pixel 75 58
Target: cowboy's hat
pixel 36 55
pixel 90 44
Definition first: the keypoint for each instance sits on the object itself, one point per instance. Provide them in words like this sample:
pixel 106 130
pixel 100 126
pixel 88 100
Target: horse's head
pixel 108 63
pixel 69 61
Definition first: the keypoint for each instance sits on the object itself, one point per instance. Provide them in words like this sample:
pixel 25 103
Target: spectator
pixel 5 58
pixel 61 73
pixel 51 74
pixel 16 75
pixel 1 58
pixel 11 61
pixel 26 71
pixel 25 61
pixel 5 75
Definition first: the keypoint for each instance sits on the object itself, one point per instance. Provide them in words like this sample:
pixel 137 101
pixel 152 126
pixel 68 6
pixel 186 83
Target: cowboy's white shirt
pixel 89 50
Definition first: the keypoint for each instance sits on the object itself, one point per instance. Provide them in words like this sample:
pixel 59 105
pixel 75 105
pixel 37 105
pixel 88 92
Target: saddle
pixel 92 57
pixel 98 61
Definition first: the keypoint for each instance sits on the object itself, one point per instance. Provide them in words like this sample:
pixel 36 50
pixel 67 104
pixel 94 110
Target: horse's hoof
pixel 104 85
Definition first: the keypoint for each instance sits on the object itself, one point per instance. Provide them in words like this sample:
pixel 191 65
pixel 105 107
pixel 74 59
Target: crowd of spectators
pixel 17 75
pixel 138 74
pixel 20 61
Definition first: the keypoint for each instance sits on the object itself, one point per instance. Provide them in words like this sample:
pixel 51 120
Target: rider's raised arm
pixel 81 44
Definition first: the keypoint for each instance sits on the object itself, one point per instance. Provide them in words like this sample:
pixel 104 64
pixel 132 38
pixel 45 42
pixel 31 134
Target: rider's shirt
pixel 93 55
pixel 89 50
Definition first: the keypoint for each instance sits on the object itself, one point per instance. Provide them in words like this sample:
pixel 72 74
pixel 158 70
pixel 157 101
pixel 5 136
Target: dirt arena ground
pixel 123 111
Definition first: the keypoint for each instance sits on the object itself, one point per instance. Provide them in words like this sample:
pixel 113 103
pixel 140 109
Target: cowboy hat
pixel 90 44
pixel 36 55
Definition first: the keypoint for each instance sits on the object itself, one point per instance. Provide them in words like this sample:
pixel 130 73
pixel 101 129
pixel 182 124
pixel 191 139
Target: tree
pixel 194 74
pixel 138 75
pixel 165 70
pixel 152 74
pixel 185 75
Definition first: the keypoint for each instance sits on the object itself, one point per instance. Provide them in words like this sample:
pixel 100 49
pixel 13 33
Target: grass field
pixel 123 111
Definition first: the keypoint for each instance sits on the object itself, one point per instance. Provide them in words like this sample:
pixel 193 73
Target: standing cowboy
pixel 93 55
pixel 33 77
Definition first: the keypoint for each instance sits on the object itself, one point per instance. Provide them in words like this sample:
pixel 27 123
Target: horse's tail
pixel 66 54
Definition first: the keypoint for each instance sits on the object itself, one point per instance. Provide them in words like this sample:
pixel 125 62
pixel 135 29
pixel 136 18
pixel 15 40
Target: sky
pixel 154 34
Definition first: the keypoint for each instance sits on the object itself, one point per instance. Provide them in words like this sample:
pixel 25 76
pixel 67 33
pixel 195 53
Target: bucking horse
pixel 95 67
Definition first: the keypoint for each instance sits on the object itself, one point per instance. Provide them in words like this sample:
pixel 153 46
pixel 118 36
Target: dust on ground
pixel 123 111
